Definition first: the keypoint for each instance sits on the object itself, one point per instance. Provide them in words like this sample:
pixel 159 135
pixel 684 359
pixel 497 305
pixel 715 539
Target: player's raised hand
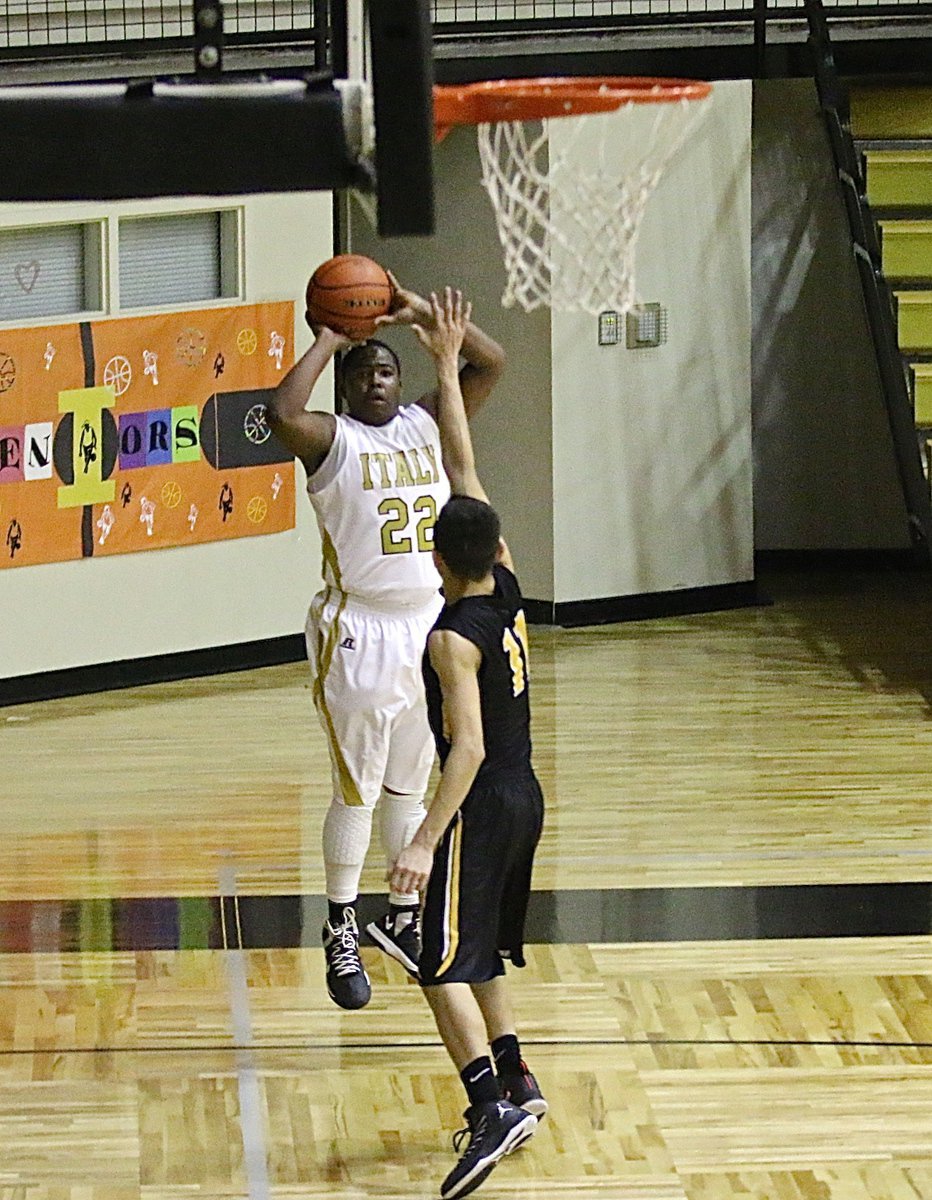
pixel 408 308
pixel 335 340
pixel 443 337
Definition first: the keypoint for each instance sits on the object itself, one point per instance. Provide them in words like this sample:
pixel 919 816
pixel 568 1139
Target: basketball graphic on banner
pixel 118 448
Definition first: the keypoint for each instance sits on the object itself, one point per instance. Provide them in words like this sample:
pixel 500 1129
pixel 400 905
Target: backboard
pixel 228 133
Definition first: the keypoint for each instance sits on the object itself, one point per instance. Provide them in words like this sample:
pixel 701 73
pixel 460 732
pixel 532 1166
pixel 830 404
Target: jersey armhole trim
pixel 418 412
pixel 332 462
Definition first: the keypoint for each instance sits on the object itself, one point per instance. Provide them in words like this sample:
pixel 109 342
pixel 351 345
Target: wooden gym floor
pixel 728 992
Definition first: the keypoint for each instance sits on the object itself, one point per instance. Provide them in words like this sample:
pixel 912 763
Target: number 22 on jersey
pixel 395 538
pixel 514 643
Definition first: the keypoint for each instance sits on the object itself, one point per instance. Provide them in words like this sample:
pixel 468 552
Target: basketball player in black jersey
pixel 475 848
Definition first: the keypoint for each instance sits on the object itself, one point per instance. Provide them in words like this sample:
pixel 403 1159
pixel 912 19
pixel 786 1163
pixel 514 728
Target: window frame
pixel 231 265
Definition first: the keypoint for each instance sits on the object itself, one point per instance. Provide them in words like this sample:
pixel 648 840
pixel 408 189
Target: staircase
pixel 892 128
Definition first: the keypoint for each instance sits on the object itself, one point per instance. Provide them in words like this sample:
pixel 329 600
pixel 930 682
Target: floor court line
pixel 251 1121
pixel 388 1047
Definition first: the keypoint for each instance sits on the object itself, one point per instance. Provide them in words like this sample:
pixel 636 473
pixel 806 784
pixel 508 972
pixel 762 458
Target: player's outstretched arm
pixel 485 359
pixel 308 435
pixel 443 336
pixel 456 661
pixel 459 460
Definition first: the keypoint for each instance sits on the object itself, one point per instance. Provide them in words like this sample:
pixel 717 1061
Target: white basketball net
pixel 569 223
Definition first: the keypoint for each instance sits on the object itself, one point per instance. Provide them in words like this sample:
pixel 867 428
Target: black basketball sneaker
pixel 347 982
pixel 400 937
pixel 494 1130
pixel 520 1087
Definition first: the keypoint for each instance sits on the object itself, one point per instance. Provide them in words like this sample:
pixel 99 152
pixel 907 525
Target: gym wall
pixel 653 446
pixel 131 606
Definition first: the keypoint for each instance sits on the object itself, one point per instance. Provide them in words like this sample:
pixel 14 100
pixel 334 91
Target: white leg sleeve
pixel 347 830
pixel 400 814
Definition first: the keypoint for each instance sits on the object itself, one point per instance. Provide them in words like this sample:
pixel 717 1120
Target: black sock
pixel 395 910
pixel 479 1081
pixel 335 910
pixel 507 1053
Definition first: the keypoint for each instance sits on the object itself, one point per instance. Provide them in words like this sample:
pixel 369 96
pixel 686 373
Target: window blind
pixel 49 270
pixel 176 259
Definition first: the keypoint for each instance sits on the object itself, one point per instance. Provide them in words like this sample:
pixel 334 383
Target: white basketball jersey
pixel 377 495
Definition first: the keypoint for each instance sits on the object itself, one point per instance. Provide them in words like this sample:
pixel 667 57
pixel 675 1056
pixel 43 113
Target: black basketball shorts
pixel 477 895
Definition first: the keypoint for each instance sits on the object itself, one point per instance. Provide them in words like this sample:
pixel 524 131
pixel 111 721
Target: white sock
pixel 400 814
pixel 347 831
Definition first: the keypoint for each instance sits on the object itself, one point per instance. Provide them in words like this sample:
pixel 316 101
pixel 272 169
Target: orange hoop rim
pixel 535 99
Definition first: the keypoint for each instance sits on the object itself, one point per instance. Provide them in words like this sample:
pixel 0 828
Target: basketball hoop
pixel 568 207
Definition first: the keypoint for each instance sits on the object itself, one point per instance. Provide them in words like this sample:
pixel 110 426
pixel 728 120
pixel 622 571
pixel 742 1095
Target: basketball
pixel 347 293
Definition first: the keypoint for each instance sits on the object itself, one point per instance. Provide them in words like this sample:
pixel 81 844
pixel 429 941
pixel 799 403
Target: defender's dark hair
pixel 466 536
pixel 352 355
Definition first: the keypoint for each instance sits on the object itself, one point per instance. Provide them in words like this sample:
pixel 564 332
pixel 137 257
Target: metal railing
pixel 37 24
pixel 557 12
pixel 88 25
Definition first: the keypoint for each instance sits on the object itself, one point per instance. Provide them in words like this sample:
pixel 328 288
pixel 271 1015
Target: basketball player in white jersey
pixel 376 483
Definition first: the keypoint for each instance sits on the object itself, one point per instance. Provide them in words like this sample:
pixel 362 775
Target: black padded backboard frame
pixel 227 136
pixel 100 146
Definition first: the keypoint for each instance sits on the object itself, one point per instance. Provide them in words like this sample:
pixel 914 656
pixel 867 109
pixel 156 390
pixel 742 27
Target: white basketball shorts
pixel 369 694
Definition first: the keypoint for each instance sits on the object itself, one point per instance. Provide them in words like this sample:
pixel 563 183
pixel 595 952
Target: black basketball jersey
pixel 496 625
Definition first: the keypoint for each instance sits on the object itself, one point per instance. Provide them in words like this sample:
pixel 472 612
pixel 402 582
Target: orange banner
pixel 143 432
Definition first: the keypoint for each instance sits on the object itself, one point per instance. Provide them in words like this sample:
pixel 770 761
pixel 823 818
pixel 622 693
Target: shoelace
pixel 345 955
pixel 474 1135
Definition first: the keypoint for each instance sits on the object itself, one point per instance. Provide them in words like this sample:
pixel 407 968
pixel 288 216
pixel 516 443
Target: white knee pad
pixel 347 830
